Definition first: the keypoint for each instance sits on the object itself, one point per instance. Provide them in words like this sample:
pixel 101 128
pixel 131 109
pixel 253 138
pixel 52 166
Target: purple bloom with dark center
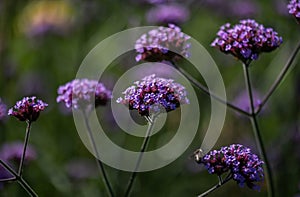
pixel 238 160
pixel 162 44
pixel 80 93
pixel 154 94
pixel 27 109
pixel 246 40
pixel 170 13
pixel 294 9
pixel 13 152
pixel 3 111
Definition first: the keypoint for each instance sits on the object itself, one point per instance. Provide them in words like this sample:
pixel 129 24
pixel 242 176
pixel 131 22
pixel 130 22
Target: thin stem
pixel 279 78
pixel 19 179
pixel 142 150
pixel 100 164
pixel 221 182
pixel 257 132
pixel 20 171
pixel 8 179
pixel 206 91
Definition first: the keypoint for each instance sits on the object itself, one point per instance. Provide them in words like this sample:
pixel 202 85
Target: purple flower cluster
pixel 3 111
pixel 294 8
pixel 246 40
pixel 170 13
pixel 80 92
pixel 27 109
pixel 245 167
pixel 154 93
pixel 162 44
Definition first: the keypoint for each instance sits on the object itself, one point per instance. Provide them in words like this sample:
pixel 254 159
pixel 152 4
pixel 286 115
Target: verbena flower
pixel 294 9
pixel 3 109
pixel 246 40
pixel 162 44
pixel 170 13
pixel 80 92
pixel 13 152
pixel 245 167
pixel 27 109
pixel 154 93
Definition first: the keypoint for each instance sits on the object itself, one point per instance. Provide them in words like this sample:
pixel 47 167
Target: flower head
pixel 246 40
pixel 245 167
pixel 3 111
pixel 27 109
pixel 170 13
pixel 80 92
pixel 154 93
pixel 294 9
pixel 162 44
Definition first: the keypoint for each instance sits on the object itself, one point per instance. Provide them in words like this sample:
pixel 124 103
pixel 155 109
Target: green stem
pixel 19 179
pixel 142 150
pixel 20 171
pixel 206 91
pixel 221 182
pixel 257 132
pixel 100 164
pixel 279 79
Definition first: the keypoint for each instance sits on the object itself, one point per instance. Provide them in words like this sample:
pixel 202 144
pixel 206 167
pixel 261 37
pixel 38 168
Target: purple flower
pixel 244 166
pixel 246 40
pixel 243 102
pixel 27 109
pixel 162 44
pixel 3 111
pixel 170 13
pixel 294 9
pixel 13 152
pixel 80 92
pixel 153 93
pixel 4 174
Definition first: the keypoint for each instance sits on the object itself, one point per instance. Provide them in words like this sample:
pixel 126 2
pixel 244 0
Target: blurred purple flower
pixel 27 109
pixel 245 167
pixel 79 169
pixel 79 93
pixel 294 9
pixel 3 110
pixel 153 93
pixel 243 101
pixel 246 40
pixel 13 152
pixel 169 13
pixel 4 174
pixel 162 44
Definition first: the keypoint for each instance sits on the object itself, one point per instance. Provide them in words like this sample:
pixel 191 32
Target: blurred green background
pixel 42 44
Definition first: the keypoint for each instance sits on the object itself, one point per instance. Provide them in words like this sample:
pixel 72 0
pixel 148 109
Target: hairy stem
pixel 206 91
pixel 257 132
pixel 142 150
pixel 99 162
pixel 279 79
pixel 20 171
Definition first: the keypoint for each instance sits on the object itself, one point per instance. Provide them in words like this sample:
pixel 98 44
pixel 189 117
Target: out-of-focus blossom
pixel 13 152
pixel 3 175
pixel 294 9
pixel 33 83
pixel 246 40
pixel 3 110
pixel 162 44
pixel 169 13
pixel 79 169
pixel 245 167
pixel 41 17
pixel 243 101
pixel 80 92
pixel 27 109
pixel 154 93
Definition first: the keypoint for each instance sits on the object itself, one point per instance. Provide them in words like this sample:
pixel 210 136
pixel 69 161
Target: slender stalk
pixel 257 133
pixel 279 79
pixel 206 91
pixel 221 182
pixel 100 164
pixel 142 150
pixel 19 179
pixel 20 171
